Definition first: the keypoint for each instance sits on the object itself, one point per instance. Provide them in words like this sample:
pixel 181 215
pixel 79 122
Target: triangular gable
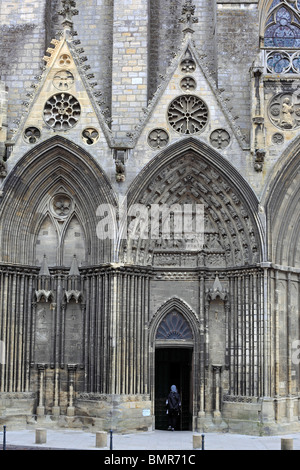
pixel 63 100
pixel 205 88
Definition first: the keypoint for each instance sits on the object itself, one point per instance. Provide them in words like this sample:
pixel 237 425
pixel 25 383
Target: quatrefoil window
pixel 188 65
pixel 62 111
pixel 188 84
pixel 158 138
pixel 188 114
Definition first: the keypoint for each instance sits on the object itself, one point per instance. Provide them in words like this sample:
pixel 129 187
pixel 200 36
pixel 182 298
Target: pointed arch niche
pixel 46 242
pixel 174 359
pixel 50 207
pixel 280 35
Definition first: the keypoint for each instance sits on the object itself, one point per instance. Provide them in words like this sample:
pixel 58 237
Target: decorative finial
pixel 187 16
pixel 68 12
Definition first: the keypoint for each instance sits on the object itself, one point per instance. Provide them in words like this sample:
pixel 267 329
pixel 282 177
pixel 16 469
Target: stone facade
pixel 108 110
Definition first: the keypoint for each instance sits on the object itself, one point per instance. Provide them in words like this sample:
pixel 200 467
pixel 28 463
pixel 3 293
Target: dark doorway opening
pixel 173 366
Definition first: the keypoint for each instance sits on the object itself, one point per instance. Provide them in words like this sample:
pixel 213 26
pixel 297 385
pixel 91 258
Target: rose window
pixel 188 114
pixel 62 111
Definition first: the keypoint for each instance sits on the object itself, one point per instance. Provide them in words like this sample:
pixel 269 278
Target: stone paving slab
pixel 155 440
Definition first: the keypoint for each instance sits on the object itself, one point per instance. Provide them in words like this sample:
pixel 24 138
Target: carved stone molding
pixel 46 295
pixel 90 135
pixel 63 80
pixel 284 111
pixel 32 135
pixel 219 138
pixel 158 138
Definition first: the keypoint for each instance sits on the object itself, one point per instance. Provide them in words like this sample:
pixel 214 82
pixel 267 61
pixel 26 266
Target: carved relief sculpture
pixel 284 111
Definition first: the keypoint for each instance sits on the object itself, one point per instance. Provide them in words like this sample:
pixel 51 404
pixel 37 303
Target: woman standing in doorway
pixel 173 407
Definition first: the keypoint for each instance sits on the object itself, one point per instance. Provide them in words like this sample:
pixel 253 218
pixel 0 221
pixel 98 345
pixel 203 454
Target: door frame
pixel 181 345
pixel 191 317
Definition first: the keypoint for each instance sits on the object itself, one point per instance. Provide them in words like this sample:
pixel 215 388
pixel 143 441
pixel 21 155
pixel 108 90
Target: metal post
pixel 202 448
pixel 4 437
pixel 111 440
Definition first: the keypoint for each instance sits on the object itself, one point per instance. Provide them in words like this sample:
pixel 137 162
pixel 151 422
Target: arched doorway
pixel 174 345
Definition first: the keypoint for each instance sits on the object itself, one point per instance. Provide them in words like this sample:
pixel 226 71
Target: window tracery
pixel 282 37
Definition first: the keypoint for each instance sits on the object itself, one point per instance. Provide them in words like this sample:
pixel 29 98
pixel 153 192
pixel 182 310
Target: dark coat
pixel 173 401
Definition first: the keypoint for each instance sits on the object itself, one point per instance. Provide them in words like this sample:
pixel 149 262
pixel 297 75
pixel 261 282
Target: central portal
pixel 173 366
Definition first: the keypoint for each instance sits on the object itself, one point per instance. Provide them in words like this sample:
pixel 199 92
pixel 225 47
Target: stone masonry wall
pixel 22 44
pixel 237 48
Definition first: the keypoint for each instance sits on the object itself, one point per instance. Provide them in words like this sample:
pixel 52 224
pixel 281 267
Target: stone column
pixel 56 407
pixel 41 408
pixel 3 129
pixel 217 376
pixel 71 369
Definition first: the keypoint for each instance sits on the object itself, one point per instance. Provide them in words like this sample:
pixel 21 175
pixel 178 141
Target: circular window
pixel 188 114
pixel 61 205
pixel 220 139
pixel 188 84
pixel 62 111
pixel 158 138
pixel 187 65
pixel 90 135
pixel 64 60
pixel 32 135
pixel 63 80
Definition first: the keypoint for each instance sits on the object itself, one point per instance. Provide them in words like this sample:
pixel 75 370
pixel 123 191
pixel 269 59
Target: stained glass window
pixel 174 326
pixel 282 37
pixel 283 30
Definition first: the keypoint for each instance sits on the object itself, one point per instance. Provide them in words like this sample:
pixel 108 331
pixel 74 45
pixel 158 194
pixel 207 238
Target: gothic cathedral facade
pixel 112 112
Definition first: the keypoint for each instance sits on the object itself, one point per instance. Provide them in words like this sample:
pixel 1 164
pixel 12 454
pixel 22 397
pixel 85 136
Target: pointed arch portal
pixel 175 333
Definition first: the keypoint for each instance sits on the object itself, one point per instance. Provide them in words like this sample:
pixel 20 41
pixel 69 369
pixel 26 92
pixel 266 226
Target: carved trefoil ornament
pixel 32 135
pixel 90 135
pixel 64 60
pixel 284 111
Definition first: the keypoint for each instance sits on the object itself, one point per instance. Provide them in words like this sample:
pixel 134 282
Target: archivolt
pixel 54 166
pixel 282 201
pixel 190 172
